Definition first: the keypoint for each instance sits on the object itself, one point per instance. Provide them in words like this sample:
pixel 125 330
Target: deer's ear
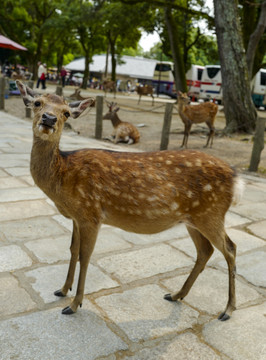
pixel 78 107
pixel 179 93
pixel 27 93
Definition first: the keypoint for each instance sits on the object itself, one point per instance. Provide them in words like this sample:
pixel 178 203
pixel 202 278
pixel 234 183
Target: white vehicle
pixel 194 76
pixel 211 83
pixel 258 88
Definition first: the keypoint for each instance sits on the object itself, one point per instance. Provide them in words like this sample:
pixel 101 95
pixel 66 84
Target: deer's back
pixel 125 129
pixel 201 112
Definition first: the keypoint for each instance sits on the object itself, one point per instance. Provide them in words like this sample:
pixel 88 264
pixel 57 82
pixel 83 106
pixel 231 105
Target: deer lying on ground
pixel 123 131
pixel 195 114
pixel 145 90
pixel 76 95
pixel 139 192
pixel 109 85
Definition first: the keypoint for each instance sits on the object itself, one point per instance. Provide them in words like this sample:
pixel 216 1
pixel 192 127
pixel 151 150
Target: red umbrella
pixel 9 44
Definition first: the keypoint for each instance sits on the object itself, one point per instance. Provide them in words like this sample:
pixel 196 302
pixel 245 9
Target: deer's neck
pixel 115 120
pixel 45 161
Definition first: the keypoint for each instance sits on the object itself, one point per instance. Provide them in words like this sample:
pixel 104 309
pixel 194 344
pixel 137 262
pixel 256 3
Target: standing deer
pixel 139 192
pixel 123 131
pixel 145 90
pixel 109 85
pixel 195 114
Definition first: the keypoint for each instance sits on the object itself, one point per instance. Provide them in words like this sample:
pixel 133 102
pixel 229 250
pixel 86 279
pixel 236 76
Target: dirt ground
pixel 236 150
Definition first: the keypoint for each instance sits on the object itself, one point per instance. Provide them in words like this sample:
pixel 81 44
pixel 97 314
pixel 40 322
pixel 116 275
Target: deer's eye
pixel 37 103
pixel 67 114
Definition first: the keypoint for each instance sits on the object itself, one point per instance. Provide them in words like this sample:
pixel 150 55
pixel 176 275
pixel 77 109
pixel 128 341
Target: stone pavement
pixel 124 315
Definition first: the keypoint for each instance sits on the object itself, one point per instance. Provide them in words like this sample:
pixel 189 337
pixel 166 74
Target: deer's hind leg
pixel 204 252
pixel 74 249
pixel 211 134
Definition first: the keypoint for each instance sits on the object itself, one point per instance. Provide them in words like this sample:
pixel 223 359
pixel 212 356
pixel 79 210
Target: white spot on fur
pixel 80 190
pixel 177 170
pixel 189 194
pixel 195 203
pixel 207 187
pixel 174 206
pixel 168 162
pixel 188 164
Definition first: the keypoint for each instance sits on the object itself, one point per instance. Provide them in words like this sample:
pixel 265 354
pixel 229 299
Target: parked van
pixel 194 76
pixel 258 88
pixel 211 83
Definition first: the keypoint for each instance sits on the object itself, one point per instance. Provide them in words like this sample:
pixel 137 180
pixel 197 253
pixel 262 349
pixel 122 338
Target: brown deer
pixel 76 95
pixel 109 85
pixel 145 90
pixel 195 114
pixel 123 131
pixel 139 192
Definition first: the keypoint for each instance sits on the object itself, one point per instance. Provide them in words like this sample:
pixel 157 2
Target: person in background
pixel 63 74
pixel 44 76
pixel 40 72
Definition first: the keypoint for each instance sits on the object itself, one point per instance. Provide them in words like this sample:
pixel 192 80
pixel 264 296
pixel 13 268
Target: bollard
pixel 166 126
pixel 99 117
pixel 59 91
pixel 2 93
pixel 258 145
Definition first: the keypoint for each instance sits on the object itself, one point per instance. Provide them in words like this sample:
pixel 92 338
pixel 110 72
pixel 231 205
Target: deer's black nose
pixel 48 119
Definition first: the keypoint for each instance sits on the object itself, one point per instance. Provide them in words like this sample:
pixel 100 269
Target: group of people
pixel 42 75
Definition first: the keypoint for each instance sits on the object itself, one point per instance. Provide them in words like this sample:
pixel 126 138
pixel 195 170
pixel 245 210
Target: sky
pixel 148 40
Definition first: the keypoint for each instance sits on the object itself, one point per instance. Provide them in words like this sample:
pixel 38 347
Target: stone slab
pixel 253 267
pixel 10 160
pixel 144 263
pixel 110 240
pixel 20 194
pixel 242 337
pixel 31 229
pixel 24 209
pixel 142 313
pixel 258 229
pixel 19 170
pixel 253 211
pixel 182 347
pixel 9 182
pixel 206 296
pixel 13 299
pixel 233 219
pixel 12 257
pixel 45 280
pixel 49 335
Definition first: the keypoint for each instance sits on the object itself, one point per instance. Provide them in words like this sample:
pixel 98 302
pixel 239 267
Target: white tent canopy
pixel 133 67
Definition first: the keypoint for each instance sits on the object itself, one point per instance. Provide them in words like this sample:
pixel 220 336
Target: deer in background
pixel 109 85
pixel 195 114
pixel 123 131
pixel 139 192
pixel 145 90
pixel 76 95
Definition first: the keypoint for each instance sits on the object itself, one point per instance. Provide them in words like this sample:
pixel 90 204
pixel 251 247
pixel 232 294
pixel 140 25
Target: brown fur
pixel 195 114
pixel 139 192
pixel 109 85
pixel 145 90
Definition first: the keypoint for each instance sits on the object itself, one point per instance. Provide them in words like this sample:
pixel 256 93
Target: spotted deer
pixel 123 131
pixel 195 114
pixel 145 90
pixel 139 192
pixel 109 85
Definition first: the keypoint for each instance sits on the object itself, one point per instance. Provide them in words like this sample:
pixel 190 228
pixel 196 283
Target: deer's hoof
pixel 67 311
pixel 168 297
pixel 223 317
pixel 59 293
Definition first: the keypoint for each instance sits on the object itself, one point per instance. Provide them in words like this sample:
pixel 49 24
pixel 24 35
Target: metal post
pixel 59 91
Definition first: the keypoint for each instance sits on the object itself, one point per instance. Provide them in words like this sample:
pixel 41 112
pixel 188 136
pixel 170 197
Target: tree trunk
pixel 86 71
pixel 180 76
pixel 113 60
pixel 255 38
pixel 239 109
pixel 258 145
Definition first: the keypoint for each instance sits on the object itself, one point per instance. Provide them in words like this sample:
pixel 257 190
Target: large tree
pixel 239 109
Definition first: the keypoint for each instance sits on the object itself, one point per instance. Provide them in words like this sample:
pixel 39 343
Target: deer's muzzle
pixel 48 120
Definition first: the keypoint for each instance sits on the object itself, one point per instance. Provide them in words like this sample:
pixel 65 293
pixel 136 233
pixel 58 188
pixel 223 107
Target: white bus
pixel 258 88
pixel 194 77
pixel 211 83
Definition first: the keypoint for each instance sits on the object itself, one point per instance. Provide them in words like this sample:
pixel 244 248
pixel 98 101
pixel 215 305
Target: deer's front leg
pixel 88 236
pixel 74 249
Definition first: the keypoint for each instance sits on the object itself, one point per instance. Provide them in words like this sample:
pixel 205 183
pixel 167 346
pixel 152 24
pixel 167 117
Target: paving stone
pixel 109 240
pixel 242 337
pixel 8 182
pixel 175 232
pixel 19 170
pixel 206 296
pixel 51 250
pixel 24 209
pixel 66 223
pixel 254 211
pixel 45 280
pixel 253 267
pixel 9 160
pixel 3 173
pixel 19 194
pixel 49 335
pixel 144 263
pixel 28 179
pixel 258 229
pixel 233 219
pixel 31 229
pixel 13 258
pixel 253 194
pixel 142 313
pixel 244 241
pixel 183 347
pixel 13 299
